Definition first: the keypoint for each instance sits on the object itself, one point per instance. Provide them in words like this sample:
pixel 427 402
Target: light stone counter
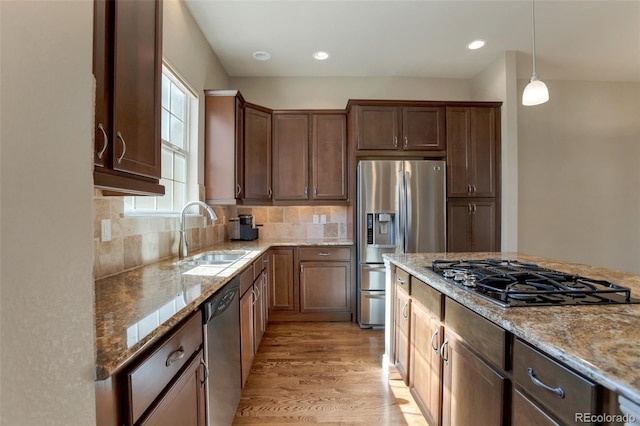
pixel 135 308
pixel 601 342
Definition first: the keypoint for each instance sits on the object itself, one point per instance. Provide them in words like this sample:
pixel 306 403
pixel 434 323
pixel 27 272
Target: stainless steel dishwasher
pixel 222 352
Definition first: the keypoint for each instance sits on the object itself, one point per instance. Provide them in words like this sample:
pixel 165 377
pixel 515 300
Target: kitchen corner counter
pixel 135 308
pixel 601 342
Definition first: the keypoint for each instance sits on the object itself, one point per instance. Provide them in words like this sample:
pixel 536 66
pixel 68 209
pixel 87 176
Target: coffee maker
pixel 243 228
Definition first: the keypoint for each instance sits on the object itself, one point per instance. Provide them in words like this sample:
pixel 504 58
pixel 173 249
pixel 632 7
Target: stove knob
pixel 459 276
pixel 470 281
pixel 448 273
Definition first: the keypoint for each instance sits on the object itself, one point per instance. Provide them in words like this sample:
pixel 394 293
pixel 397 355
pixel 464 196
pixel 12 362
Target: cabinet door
pixel 473 392
pixel 184 402
pixel 471 151
pixel 137 88
pixel 402 317
pixel 329 157
pixel 471 225
pixel 425 368
pixel 257 155
pixel 525 412
pixel 377 127
pixel 247 346
pixel 281 292
pixel 423 128
pixel 102 42
pixel 291 157
pixel 325 287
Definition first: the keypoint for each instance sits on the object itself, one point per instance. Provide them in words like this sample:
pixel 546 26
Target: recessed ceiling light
pixel 261 55
pixel 476 44
pixel 320 55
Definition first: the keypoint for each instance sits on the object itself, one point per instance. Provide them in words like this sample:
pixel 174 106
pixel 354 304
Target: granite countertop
pixel 601 342
pixel 135 308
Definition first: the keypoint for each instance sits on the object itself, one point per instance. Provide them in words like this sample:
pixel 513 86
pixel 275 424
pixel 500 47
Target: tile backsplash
pixel 137 240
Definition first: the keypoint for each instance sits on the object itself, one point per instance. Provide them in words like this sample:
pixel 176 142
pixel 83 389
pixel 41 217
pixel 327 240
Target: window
pixel 179 112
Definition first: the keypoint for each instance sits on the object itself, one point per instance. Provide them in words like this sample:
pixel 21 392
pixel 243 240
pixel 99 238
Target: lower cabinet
pixel 473 392
pixel 321 290
pixel 184 401
pixel 402 321
pixel 247 346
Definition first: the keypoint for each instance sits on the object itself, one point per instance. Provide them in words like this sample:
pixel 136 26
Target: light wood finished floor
pixel 323 372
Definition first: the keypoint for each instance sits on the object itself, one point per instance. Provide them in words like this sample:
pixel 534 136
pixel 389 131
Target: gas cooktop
pixel 512 283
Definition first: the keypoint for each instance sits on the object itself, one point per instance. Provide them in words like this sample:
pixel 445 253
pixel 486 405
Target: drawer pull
pixel 323 253
pixel 433 336
pixel 206 372
pixel 402 282
pixel 404 311
pixel 175 356
pixel 558 391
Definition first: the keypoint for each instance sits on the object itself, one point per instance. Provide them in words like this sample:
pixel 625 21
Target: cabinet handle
pixel 124 148
pixel 105 141
pixel 269 192
pixel 306 194
pixel 206 372
pixel 433 336
pixel 473 189
pixel 558 391
pixel 238 190
pixel 315 191
pixel 469 208
pixel 406 141
pixel 301 269
pixel 444 344
pixel 401 281
pixel 175 356
pixel 404 311
pixel 395 141
pixel 324 253
pixel 474 208
pixel 469 189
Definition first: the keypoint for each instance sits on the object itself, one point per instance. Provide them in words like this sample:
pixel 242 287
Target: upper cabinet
pixel 223 132
pixel 127 65
pixel 310 156
pixel 257 154
pixel 399 127
pixel 472 151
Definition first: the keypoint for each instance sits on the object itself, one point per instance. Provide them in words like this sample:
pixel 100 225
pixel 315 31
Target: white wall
pixel 579 174
pixel 329 93
pixel 46 306
pixel 498 82
pixel 186 49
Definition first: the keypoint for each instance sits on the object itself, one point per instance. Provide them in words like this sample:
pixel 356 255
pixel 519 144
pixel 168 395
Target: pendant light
pixel 536 92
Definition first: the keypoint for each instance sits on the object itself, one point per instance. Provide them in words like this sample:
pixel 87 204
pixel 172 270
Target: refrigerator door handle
pixel 408 225
pixel 400 231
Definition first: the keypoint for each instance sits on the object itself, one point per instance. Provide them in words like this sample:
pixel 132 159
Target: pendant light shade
pixel 536 92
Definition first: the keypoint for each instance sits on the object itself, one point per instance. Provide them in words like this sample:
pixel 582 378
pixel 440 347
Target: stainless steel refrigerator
pixel 401 209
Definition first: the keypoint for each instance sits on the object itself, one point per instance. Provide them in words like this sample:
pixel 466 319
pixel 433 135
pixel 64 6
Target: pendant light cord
pixel 533 31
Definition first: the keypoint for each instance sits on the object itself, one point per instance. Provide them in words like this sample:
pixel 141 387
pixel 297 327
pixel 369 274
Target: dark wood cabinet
pixel 310 156
pixel 473 392
pixel 247 330
pixel 224 147
pixel 127 65
pixel 257 154
pixel 525 412
pixel 472 151
pixel 184 402
pixel 281 294
pixel 425 366
pixel 472 225
pixel 325 286
pixel 394 126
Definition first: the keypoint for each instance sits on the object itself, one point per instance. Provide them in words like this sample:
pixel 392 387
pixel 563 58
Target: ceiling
pixel 575 39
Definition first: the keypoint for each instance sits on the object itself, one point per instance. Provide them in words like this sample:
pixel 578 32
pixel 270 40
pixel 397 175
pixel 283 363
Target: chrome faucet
pixel 183 233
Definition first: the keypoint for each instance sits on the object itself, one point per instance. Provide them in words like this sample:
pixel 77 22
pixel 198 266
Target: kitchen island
pixel 601 342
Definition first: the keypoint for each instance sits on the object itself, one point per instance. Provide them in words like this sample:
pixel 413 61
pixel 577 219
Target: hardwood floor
pixel 323 372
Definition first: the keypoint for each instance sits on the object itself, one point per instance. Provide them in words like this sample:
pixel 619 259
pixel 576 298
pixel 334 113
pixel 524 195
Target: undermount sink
pixel 214 258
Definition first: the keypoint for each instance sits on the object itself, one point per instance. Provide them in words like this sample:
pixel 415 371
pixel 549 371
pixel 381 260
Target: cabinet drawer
pixel 567 392
pixel 151 374
pixel 324 253
pixel 246 280
pixel 489 340
pixel 428 296
pixel 402 280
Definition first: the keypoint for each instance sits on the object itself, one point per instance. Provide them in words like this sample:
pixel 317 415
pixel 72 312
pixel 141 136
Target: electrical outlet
pixel 105 230
pixel 315 218
pixel 323 219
